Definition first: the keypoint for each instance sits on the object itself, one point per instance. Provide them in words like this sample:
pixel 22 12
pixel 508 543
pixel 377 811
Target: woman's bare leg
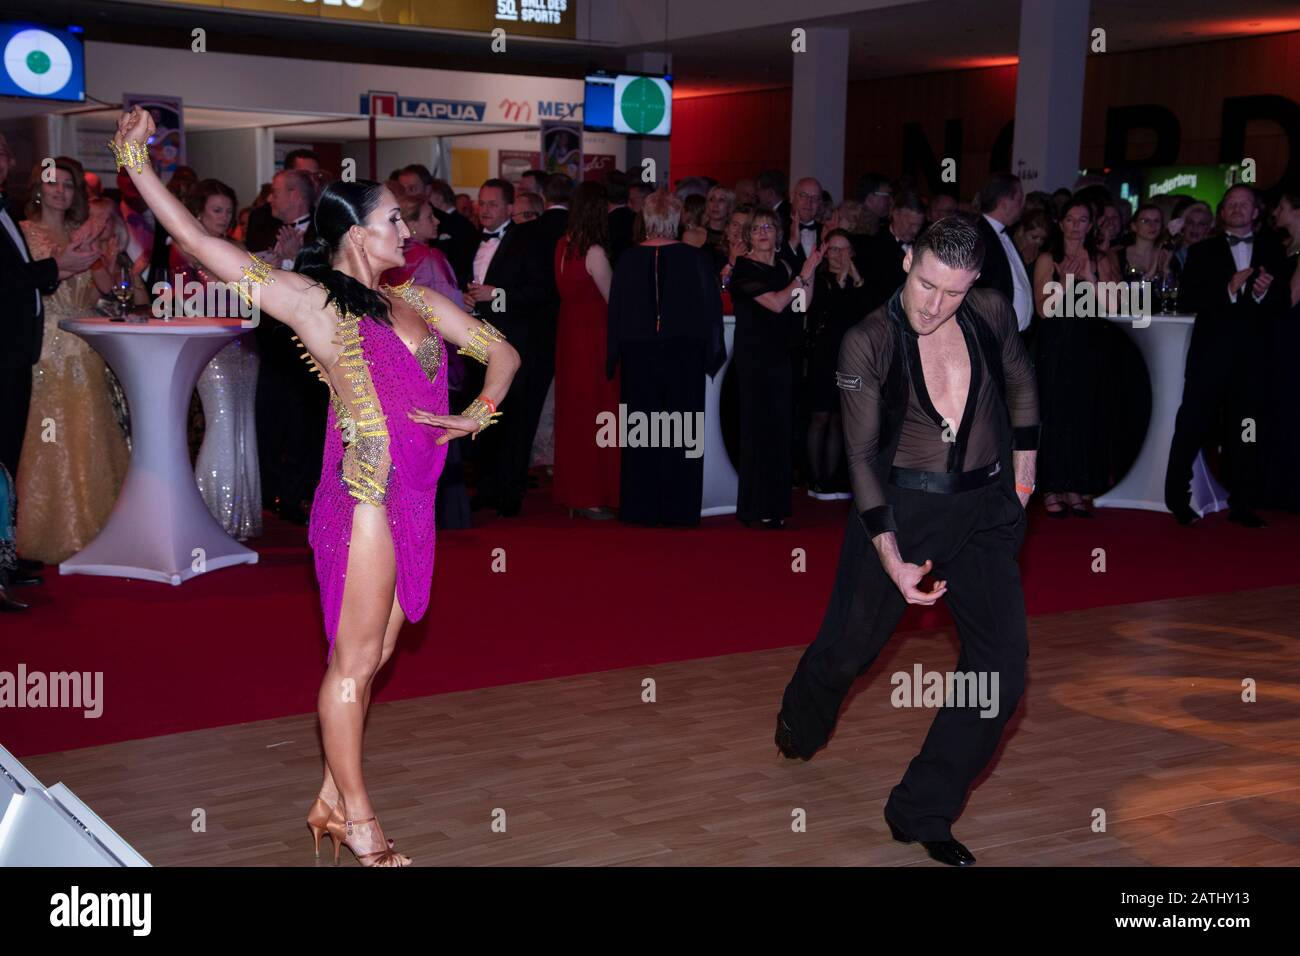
pixel 358 647
pixel 329 791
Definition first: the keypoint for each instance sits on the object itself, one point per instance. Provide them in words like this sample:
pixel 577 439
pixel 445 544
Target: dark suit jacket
pixel 457 240
pixel 520 267
pixel 621 221
pixel 881 268
pixel 22 321
pixel 1223 327
pixel 996 271
pixel 794 255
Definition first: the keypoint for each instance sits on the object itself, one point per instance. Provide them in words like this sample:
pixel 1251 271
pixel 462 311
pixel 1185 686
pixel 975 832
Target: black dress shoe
pixel 945 851
pixel 785 741
pixel 30 567
pixel 1185 516
pixel 20 580
pixel 8 604
pixel 1247 519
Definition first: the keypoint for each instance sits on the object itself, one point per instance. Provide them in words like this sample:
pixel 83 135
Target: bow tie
pixel 1233 240
pixel 809 225
pixel 299 221
pixel 484 236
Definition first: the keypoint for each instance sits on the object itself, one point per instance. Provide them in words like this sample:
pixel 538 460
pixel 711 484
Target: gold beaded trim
pixel 480 337
pixel 258 272
pixel 414 297
pixel 130 154
pixel 479 411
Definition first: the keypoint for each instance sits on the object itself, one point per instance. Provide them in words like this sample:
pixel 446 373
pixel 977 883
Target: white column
pixel 817 109
pixel 644 147
pixel 1054 43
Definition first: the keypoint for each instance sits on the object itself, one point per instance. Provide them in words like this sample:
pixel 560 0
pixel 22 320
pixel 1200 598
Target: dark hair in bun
pixel 341 206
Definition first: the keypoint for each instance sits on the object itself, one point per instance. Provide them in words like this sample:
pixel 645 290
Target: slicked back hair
pixel 954 241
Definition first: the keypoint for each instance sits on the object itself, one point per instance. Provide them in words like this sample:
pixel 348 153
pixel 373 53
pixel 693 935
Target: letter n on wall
pixel 918 157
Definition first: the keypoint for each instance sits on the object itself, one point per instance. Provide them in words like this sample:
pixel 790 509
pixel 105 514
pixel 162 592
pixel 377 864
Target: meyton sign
pixel 543 18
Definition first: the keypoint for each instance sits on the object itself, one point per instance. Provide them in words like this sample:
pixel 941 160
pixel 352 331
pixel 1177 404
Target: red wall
pixel 732 135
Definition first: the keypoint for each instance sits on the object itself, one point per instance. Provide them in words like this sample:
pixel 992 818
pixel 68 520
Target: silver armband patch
pixel 850 383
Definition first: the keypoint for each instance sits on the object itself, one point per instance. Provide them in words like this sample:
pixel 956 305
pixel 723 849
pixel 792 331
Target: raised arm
pixel 291 298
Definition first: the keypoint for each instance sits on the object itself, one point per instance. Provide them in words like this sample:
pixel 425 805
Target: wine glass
pixel 1170 289
pixel 123 292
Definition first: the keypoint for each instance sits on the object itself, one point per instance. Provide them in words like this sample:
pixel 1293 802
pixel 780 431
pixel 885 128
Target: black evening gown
pixel 1072 447
pixel 665 330
pixel 765 380
pixel 1279 448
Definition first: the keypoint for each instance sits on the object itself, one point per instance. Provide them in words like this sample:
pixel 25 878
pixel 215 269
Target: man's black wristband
pixel 878 520
pixel 1025 438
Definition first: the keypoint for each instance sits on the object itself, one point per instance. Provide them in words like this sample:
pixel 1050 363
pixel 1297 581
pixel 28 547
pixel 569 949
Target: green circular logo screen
pixel 642 105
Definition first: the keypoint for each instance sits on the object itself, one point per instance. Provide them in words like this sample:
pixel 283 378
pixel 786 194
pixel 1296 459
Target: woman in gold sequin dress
pixel 74 455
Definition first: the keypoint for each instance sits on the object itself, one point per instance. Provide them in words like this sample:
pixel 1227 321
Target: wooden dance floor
pixel 1135 711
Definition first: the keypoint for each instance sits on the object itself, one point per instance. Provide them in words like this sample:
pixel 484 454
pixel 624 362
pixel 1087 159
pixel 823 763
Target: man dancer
pixel 936 391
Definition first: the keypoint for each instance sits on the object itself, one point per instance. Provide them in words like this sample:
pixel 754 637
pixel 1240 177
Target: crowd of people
pixel 613 293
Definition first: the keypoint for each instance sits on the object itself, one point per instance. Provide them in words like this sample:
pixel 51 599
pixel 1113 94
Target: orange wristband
pixel 1023 490
pixel 492 406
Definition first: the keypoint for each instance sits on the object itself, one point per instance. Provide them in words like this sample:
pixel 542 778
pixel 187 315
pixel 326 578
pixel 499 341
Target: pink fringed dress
pixel 375 454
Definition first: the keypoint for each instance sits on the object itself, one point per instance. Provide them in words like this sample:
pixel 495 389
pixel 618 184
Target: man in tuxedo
pixel 291 402
pixel 881 266
pixel 457 237
pixel 1000 202
pixel 22 327
pixel 1229 282
pixel 803 233
pixel 263 226
pixel 621 217
pixel 512 287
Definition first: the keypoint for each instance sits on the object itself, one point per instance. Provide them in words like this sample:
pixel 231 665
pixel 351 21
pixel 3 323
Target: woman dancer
pixel 371 526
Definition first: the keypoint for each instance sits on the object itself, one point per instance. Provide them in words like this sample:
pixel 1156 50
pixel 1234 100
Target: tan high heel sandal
pixel 340 830
pixel 318 818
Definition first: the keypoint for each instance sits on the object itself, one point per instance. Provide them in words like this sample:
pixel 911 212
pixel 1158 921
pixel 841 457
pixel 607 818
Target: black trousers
pixel 1225 383
pixel 973 537
pixel 15 399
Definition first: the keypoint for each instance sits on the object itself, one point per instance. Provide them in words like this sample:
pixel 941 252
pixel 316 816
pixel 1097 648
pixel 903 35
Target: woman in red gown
pixel 586 475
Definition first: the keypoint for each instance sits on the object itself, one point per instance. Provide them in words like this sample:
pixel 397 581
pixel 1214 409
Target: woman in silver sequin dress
pixel 226 469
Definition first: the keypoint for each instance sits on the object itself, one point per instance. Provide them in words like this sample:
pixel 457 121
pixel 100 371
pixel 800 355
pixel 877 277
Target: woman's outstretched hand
pixel 456 426
pixel 134 127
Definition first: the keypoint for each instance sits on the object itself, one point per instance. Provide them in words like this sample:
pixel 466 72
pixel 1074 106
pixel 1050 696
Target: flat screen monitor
pixel 42 62
pixel 628 103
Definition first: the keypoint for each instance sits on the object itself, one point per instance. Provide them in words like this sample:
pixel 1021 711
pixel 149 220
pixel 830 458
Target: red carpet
pixel 246 644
